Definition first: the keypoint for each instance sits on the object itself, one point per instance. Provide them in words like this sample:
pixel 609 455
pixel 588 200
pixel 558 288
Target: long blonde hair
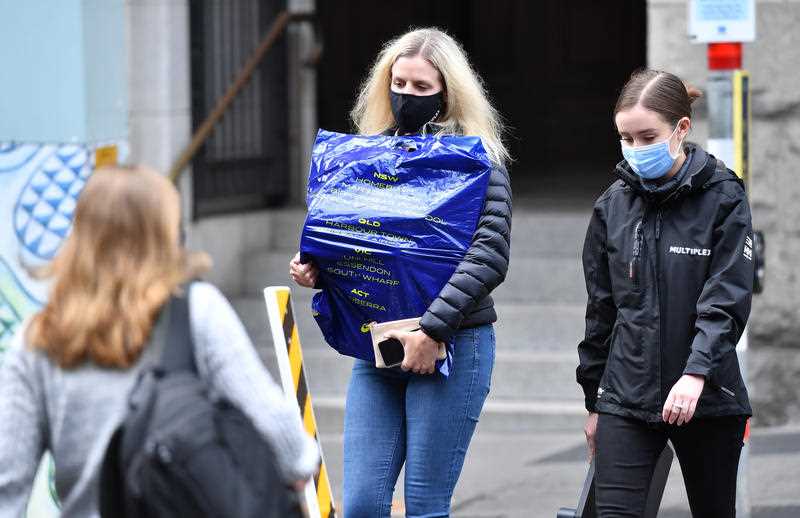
pixel 119 265
pixel 467 108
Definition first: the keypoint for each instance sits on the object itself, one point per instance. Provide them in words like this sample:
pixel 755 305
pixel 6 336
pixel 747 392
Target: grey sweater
pixel 72 413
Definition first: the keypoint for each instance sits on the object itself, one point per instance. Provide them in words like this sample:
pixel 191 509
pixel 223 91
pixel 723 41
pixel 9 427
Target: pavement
pixel 532 475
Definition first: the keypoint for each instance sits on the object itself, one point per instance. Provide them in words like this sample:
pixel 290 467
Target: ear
pixel 684 126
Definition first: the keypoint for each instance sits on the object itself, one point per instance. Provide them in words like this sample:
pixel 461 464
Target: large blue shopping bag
pixel 389 219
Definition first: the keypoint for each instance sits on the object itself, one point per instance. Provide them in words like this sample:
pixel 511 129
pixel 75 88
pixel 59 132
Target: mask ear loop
pixel 425 126
pixel 441 106
pixel 680 143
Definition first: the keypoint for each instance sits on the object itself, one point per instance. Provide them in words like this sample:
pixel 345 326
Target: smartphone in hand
pixel 392 351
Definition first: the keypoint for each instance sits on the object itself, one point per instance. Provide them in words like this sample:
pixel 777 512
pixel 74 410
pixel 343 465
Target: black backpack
pixel 177 453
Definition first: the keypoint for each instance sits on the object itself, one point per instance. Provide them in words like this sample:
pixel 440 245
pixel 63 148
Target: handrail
pixel 204 131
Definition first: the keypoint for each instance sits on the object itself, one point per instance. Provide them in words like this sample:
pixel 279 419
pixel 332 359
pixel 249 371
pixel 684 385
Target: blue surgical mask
pixel 651 161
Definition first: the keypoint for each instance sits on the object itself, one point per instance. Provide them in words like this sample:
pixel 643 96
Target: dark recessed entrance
pixel 553 69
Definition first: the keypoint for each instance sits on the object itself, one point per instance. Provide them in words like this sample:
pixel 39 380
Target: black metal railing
pixel 239 161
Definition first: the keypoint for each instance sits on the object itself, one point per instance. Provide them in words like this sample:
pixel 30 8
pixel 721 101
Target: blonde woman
pixel 423 83
pixel 63 385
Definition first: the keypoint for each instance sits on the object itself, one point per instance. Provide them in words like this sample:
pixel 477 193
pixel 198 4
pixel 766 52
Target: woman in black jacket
pixel 423 83
pixel 668 262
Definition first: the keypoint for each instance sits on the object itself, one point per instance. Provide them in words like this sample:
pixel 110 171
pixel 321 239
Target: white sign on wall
pixel 717 21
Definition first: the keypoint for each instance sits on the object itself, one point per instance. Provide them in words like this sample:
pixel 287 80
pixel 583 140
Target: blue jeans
pixel 425 421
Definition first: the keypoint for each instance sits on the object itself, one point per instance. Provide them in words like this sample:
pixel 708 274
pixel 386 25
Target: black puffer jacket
pixel 465 300
pixel 669 276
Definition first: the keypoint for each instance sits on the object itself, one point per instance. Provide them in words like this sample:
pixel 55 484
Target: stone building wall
pixel 773 61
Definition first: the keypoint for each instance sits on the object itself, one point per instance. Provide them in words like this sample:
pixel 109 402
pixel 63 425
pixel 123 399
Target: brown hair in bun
pixel 693 92
pixel 658 91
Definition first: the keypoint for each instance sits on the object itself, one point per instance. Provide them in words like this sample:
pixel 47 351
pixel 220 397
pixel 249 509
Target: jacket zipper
pixel 658 225
pixel 634 266
pixel 657 232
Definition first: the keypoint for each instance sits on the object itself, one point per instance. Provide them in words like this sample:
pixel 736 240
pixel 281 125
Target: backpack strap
pixel 170 349
pixel 177 353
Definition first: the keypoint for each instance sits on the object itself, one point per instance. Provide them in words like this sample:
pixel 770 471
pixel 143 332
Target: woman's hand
pixel 303 274
pixel 420 351
pixel 590 429
pixel 682 400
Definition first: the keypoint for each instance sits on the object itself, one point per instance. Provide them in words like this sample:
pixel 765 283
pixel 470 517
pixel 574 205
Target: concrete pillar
pixel 160 87
pixel 303 122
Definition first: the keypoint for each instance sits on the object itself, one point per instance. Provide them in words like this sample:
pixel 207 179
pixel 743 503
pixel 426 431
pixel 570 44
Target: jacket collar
pixel 704 170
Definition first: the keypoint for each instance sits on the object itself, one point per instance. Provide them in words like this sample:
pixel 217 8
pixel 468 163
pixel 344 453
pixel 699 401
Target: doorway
pixel 243 166
pixel 552 68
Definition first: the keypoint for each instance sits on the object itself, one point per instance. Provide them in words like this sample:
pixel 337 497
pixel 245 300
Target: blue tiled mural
pixel 39 188
pixel 43 211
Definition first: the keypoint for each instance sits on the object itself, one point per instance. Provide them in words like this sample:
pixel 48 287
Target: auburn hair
pixel 467 110
pixel 120 263
pixel 658 91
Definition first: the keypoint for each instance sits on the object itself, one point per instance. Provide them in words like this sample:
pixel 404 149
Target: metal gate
pixel 243 166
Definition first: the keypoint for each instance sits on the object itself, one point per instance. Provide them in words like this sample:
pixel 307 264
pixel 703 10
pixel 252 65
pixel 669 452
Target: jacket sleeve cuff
pixel 697 370
pixel 698 365
pixel 590 396
pixel 432 326
pixel 305 465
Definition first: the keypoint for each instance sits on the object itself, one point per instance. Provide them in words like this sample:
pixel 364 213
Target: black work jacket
pixel 669 274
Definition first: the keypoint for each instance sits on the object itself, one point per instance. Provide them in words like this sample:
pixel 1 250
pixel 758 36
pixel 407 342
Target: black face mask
pixel 411 112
